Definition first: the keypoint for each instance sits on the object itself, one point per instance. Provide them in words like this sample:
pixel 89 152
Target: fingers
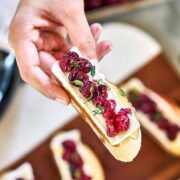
pixel 29 65
pixel 80 34
pixel 50 41
pixel 46 61
pixel 103 48
pixel 96 30
pixel 43 84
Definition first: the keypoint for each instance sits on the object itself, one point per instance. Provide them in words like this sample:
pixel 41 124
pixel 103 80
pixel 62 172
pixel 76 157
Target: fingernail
pixel 61 101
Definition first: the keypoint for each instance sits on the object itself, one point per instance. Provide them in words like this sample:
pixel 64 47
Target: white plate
pixel 132 48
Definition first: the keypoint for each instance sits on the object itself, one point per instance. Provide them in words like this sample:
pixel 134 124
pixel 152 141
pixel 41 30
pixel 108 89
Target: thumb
pixel 81 35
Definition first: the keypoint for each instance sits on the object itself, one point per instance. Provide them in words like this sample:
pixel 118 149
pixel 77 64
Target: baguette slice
pixel 24 171
pixel 91 162
pixel 125 145
pixel 170 110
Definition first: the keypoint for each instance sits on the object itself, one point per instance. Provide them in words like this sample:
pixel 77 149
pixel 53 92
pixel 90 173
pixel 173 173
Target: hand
pixel 38 32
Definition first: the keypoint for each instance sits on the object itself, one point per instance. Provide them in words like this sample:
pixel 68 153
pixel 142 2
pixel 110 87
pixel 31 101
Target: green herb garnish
pixel 122 93
pixel 78 83
pixel 100 110
pixel 158 116
pixel 74 64
pixel 100 82
pixel 134 94
pixel 77 174
pixel 96 112
pixel 93 71
pixel 91 96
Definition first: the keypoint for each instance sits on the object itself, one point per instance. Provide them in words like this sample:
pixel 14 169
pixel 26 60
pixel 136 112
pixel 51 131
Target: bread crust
pixel 124 151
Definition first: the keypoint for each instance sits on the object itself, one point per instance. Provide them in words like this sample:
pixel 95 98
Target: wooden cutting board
pixel 151 163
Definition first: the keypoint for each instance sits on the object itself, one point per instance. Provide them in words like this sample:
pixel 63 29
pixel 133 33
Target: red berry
pixel 172 131
pixel 110 105
pixel 67 155
pixel 86 177
pixel 109 115
pixel 77 75
pixel 163 124
pixel 69 144
pixel 124 111
pixel 100 95
pixel 122 120
pixel 111 131
pixel 88 89
pixel 71 55
pixel 65 64
pixel 67 59
pixel 84 65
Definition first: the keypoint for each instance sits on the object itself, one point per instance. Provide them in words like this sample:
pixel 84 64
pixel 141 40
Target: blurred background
pixel 140 31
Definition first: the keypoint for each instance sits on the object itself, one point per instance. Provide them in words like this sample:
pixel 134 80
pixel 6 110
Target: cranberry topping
pixel 100 95
pixel 109 109
pixel 110 105
pixel 71 55
pixel 143 103
pixel 70 145
pixel 74 160
pixel 111 131
pixel 67 60
pixel 77 75
pixel 85 65
pixel 108 115
pixel 96 91
pixel 88 89
pixel 122 120
pixel 65 64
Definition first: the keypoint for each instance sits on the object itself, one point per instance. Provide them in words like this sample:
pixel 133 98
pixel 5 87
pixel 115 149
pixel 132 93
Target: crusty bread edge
pixel 127 150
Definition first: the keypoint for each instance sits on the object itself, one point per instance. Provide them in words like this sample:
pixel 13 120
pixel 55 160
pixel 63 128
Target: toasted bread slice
pixel 169 109
pixel 125 145
pixel 91 162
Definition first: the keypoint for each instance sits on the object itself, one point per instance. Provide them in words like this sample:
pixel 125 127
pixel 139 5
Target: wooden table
pixel 151 163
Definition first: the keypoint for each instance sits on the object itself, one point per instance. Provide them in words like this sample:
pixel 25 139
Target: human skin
pixel 38 34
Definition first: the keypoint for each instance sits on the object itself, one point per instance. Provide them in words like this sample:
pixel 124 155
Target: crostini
pixel 74 159
pixel 101 104
pixel 158 115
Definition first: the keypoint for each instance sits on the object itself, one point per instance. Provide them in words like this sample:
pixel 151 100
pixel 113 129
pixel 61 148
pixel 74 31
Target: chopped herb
pixel 91 96
pixel 96 111
pixel 100 82
pixel 158 116
pixel 74 64
pixel 77 174
pixel 100 108
pixel 134 94
pixel 122 92
pixel 93 71
pixel 78 83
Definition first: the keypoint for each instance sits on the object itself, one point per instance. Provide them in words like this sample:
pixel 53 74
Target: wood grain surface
pixel 151 163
